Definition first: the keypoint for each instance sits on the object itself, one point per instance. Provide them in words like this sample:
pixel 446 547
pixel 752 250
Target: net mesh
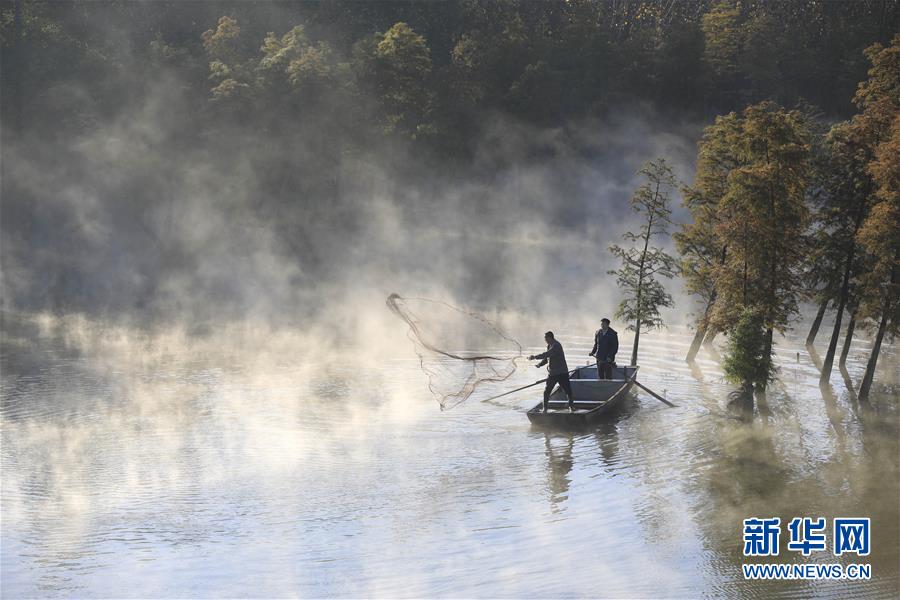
pixel 443 337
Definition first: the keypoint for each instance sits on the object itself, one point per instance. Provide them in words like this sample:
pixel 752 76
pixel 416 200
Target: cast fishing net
pixel 459 350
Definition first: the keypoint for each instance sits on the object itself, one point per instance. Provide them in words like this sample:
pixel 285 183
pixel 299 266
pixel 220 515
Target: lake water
pixel 163 467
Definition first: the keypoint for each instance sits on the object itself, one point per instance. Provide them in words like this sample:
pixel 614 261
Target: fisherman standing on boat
pixel 559 370
pixel 606 344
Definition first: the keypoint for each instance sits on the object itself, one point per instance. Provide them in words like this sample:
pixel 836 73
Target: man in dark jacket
pixel 606 344
pixel 559 370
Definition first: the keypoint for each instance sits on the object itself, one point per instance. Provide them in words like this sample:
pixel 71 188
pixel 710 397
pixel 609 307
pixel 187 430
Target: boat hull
pixel 594 399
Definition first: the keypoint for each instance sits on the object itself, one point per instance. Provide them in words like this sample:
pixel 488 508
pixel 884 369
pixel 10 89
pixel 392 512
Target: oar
pixel 652 393
pixel 525 387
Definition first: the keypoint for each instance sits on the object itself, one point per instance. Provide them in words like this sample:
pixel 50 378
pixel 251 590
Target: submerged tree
pixel 880 236
pixel 762 218
pixel 643 264
pixel 846 190
pixel 697 244
pixel 853 308
pixel 748 355
pixel 701 249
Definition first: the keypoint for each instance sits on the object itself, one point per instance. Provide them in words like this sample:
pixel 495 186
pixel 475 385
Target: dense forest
pixel 432 71
pixel 794 198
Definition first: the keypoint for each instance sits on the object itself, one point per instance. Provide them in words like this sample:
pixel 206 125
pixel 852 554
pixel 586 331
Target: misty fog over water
pixel 135 227
pixel 250 464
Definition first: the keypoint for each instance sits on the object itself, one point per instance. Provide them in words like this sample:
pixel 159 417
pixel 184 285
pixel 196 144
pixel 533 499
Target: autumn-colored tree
pixel 879 235
pixel 643 264
pixel 761 218
pixel 879 96
pixel 701 249
pixel 845 190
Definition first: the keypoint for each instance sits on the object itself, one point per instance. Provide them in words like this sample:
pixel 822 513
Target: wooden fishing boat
pixel 593 398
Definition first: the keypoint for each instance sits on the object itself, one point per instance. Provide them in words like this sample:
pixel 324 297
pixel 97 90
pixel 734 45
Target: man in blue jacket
pixel 606 344
pixel 559 370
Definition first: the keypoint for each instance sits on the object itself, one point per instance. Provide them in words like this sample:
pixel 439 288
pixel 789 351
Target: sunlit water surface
pixel 152 467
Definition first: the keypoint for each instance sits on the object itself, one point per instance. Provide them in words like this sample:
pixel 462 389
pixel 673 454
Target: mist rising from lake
pixel 261 463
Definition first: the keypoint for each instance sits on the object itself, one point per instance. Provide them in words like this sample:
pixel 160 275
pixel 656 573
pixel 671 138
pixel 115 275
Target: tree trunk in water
pixel 845 293
pixel 637 336
pixel 814 330
pixel 709 338
pixel 825 377
pixel 848 339
pixel 747 398
pixel 703 325
pixel 767 352
pixel 695 343
pixel 640 288
pixel 882 325
pixel 701 331
pixel 836 332
pixel 873 359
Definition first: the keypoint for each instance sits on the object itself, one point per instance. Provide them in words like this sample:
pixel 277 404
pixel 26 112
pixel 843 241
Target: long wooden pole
pixel 525 387
pixel 652 393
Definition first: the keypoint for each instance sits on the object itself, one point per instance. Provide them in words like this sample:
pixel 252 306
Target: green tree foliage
pixel 292 64
pixel 230 73
pixel 723 41
pixel 643 264
pixel 492 52
pixel 43 59
pixel 748 355
pixel 291 73
pixel 397 64
pixel 453 63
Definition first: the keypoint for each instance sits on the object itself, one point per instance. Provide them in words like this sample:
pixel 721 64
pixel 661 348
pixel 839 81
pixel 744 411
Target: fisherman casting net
pixel 439 333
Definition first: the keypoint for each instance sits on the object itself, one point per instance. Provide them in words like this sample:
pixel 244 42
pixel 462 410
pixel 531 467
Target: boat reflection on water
pixel 559 466
pixel 599 443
